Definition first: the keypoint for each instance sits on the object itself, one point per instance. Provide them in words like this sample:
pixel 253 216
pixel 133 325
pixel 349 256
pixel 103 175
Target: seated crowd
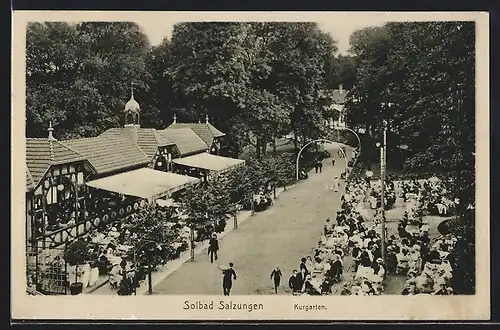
pixel 413 254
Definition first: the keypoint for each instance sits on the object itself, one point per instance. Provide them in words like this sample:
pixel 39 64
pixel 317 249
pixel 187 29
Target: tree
pixel 207 206
pixel 152 237
pixel 427 71
pixel 160 97
pixel 79 75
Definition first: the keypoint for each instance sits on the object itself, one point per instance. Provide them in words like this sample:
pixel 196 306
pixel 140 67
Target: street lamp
pixel 383 161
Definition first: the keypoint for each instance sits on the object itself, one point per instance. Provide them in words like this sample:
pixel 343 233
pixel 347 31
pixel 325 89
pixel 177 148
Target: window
pixel 80 179
pixel 52 195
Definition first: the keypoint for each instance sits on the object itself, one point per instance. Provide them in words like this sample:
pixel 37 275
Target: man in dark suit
pixel 213 247
pixel 227 280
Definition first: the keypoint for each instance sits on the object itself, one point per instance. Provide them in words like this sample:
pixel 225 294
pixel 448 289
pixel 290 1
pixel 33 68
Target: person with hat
pixel 227 280
pixel 392 260
pixel 303 266
pixel 378 271
pixel 115 276
pixel 276 276
pixel 213 247
pixel 295 282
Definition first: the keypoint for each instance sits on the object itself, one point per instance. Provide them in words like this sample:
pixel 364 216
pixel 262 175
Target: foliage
pixel 427 71
pixel 77 253
pixel 79 75
pixel 153 235
pixel 207 203
pixel 256 81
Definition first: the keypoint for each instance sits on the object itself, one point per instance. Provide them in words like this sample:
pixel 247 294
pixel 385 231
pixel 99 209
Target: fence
pixel 47 271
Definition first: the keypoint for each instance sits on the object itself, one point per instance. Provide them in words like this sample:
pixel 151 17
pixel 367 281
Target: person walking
pixel 320 165
pixel 213 247
pixel 227 280
pixel 276 276
pixel 333 161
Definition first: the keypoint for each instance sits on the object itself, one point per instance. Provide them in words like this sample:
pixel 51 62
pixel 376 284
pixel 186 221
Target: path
pixel 279 236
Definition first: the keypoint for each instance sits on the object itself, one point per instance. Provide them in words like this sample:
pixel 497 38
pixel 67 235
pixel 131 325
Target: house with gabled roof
pixel 206 131
pixel 74 186
pixel 337 105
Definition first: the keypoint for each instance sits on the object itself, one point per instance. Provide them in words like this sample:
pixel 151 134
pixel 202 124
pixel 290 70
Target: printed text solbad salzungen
pixel 221 305
pixel 230 305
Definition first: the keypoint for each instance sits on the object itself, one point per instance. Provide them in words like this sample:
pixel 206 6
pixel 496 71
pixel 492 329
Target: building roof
pixel 148 139
pixel 209 162
pixel 339 96
pixel 41 153
pixel 109 153
pixel 143 182
pixel 206 131
pixel 186 140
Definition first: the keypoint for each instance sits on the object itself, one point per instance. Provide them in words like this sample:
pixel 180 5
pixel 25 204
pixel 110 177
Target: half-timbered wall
pixel 162 160
pixel 56 208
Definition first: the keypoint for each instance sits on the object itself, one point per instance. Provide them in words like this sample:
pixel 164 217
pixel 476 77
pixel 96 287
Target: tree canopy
pixel 420 78
pixel 256 81
pixel 79 75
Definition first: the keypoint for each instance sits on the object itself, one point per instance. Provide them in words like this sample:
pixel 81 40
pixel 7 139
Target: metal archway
pixel 318 140
pixel 357 136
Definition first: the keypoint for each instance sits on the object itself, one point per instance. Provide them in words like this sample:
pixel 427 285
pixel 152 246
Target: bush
pixel 77 253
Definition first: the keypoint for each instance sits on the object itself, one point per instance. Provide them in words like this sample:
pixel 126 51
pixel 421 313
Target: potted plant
pixel 76 254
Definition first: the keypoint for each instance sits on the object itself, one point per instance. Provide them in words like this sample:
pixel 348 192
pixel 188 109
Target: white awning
pixel 209 162
pixel 144 183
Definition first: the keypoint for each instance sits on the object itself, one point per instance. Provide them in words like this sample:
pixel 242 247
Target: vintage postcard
pixel 250 166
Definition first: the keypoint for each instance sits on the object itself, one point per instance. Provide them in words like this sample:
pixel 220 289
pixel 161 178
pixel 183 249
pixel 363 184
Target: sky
pixel 340 27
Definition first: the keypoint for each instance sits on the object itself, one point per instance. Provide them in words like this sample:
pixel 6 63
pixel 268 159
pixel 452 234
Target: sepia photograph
pixel 294 162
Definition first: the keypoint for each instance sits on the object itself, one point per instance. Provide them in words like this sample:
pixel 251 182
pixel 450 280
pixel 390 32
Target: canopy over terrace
pixel 210 162
pixel 143 183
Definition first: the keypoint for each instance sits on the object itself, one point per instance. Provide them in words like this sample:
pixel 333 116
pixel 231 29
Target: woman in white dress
pixel 94 275
pixel 85 277
pixel 364 269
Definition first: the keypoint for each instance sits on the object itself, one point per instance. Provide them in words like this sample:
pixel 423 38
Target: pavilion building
pixel 75 186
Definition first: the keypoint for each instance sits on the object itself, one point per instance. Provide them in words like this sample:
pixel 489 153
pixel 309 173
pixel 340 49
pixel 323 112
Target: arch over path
pixel 318 140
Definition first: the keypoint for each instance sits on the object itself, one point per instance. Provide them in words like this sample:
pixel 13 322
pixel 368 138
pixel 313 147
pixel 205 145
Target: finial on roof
pixel 175 118
pixel 132 104
pixel 340 87
pixel 50 129
pixel 51 140
pixel 206 119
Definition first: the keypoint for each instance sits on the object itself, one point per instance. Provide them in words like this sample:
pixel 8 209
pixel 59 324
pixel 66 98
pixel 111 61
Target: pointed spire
pixel 132 90
pixel 51 141
pixel 175 118
pixel 206 119
pixel 50 130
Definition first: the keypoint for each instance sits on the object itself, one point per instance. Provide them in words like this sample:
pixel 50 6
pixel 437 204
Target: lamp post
pixel 383 162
